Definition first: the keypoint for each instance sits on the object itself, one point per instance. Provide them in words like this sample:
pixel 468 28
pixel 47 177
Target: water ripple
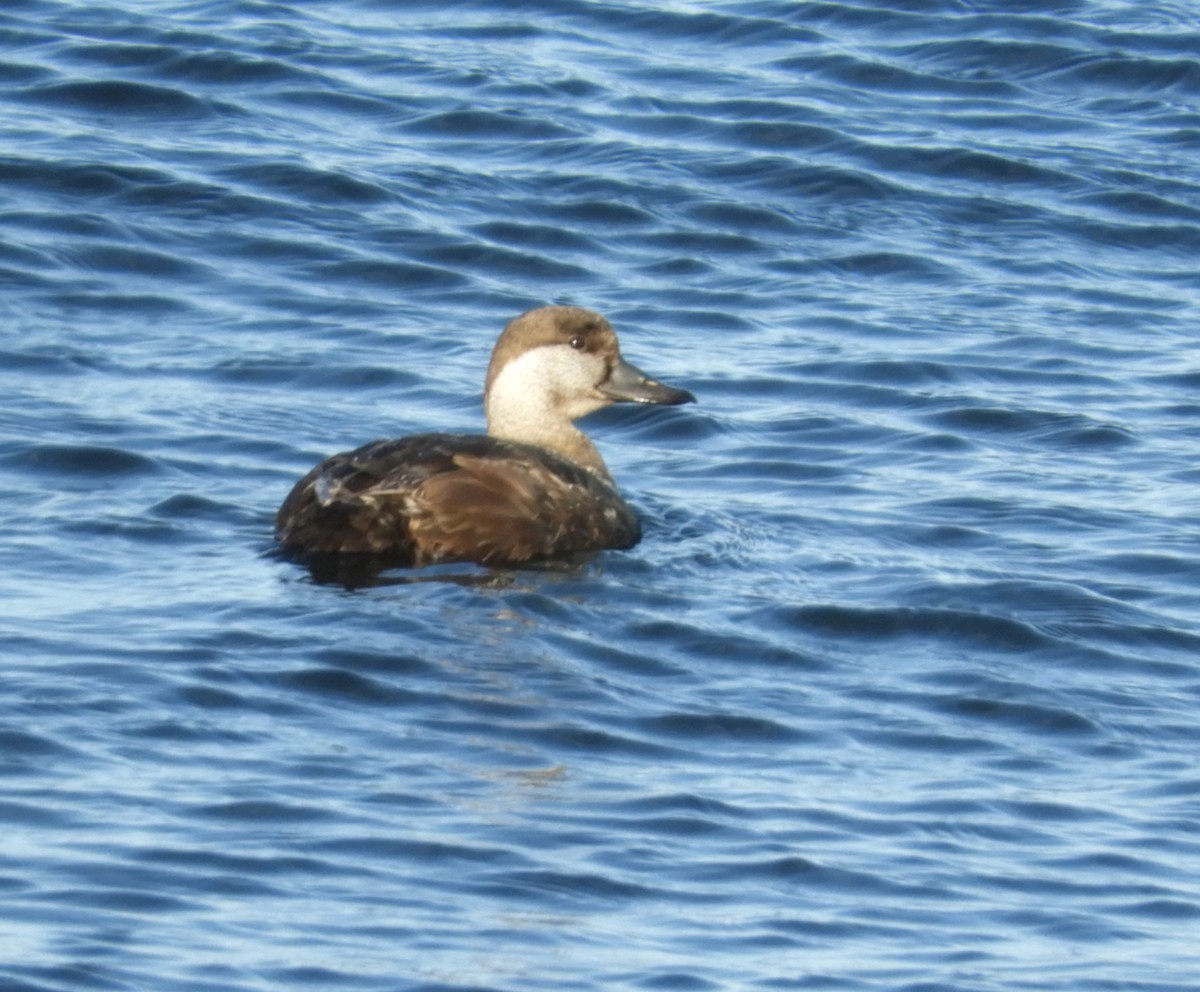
pixel 898 690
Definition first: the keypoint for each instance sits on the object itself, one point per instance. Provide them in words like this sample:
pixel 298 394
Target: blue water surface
pixel 900 690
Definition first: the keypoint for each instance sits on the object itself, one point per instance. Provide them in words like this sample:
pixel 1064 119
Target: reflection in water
pixel 898 689
pixel 364 571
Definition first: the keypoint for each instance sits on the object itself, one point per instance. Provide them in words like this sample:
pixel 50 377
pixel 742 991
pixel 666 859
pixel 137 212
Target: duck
pixel 533 489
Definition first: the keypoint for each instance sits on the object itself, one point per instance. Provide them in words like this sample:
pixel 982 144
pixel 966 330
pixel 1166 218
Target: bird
pixel 534 489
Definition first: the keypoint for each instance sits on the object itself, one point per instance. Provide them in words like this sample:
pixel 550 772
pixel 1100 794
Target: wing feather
pixel 433 498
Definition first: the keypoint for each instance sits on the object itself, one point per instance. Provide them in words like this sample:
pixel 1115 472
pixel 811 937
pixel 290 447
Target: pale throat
pixel 528 403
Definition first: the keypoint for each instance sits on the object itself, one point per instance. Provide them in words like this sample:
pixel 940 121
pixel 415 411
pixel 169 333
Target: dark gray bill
pixel 630 384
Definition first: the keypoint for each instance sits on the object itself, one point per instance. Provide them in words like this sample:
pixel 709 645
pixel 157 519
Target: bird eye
pixel 577 342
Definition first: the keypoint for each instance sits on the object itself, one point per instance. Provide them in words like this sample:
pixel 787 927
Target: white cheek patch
pixel 551 378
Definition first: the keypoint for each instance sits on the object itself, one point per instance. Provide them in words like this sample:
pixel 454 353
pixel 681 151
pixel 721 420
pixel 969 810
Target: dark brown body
pixel 435 498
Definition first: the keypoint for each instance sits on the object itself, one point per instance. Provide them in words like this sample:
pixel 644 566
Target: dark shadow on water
pixel 368 571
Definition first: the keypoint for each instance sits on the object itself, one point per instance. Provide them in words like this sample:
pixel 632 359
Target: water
pixel 898 692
